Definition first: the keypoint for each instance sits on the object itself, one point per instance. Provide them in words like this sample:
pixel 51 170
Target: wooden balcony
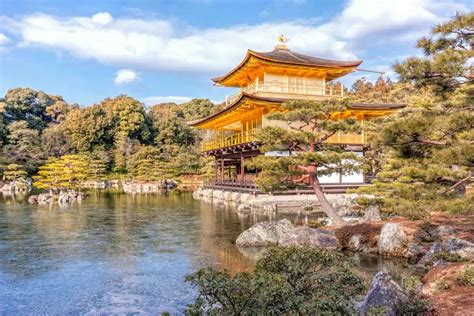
pixel 249 136
pixel 290 91
pixel 234 139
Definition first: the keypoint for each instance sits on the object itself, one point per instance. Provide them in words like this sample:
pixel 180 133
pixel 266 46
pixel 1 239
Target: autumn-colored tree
pixel 309 156
pixel 66 172
pixel 428 149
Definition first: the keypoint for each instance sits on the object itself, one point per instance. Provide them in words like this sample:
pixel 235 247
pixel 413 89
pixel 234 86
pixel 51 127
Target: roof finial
pixel 283 40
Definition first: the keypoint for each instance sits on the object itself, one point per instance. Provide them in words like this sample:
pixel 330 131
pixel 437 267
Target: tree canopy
pixel 426 152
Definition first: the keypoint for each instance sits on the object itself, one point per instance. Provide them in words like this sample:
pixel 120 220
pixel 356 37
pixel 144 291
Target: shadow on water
pixel 120 253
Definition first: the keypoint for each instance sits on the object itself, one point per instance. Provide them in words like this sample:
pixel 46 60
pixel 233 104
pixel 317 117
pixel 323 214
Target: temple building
pixel 265 81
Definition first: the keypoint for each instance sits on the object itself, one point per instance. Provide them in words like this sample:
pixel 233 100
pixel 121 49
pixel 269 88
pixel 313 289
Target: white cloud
pixel 152 100
pixel 102 18
pixel 3 39
pixel 125 76
pixel 160 45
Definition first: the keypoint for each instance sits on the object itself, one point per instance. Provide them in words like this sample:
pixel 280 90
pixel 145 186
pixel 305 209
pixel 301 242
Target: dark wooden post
pixel 242 168
pixel 222 168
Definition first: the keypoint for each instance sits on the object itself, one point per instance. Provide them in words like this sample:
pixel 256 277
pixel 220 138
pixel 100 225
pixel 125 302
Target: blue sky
pixel 160 51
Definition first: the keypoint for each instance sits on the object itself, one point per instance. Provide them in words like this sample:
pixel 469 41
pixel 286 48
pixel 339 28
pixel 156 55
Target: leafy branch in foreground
pixel 288 280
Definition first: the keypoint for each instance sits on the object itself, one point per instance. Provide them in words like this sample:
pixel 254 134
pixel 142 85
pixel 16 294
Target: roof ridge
pixel 292 54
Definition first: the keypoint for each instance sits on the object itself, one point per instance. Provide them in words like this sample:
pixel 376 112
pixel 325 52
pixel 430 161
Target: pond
pixel 120 253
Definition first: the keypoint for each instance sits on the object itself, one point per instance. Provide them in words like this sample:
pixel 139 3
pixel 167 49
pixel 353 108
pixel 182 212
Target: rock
pixel 243 209
pixel 64 198
pixel 355 243
pixel 44 198
pixel 80 196
pixel 442 232
pixel 33 199
pixel 264 233
pixel 460 247
pixel 392 239
pixel 284 233
pixel 429 257
pixel 383 292
pixel 372 214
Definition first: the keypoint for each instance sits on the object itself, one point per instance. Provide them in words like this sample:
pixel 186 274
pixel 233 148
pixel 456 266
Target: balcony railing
pixel 290 90
pixel 234 139
pixel 249 136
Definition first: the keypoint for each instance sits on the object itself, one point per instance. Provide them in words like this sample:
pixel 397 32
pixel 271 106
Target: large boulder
pixel 392 240
pixel 284 233
pixel 383 292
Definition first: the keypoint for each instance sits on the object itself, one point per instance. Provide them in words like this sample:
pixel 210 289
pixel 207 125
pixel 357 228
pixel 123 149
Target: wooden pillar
pixel 242 168
pixel 222 168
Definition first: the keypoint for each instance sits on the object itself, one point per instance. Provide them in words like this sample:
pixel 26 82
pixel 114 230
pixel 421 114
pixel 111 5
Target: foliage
pixel 66 172
pixel 426 152
pixel 449 257
pixel 288 280
pixel 467 277
pixel 22 147
pixel 35 126
pixel 14 172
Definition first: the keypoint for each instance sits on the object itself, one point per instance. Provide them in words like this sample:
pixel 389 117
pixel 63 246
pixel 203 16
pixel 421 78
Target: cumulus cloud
pixel 102 18
pixel 3 39
pixel 160 45
pixel 125 76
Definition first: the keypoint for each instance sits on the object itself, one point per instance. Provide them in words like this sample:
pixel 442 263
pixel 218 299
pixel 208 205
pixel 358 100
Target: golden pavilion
pixel 265 81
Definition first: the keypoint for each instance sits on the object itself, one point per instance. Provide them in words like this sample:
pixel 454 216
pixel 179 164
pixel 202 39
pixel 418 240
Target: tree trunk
pixel 325 205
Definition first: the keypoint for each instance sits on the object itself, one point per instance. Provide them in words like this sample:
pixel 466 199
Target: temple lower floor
pixel 232 174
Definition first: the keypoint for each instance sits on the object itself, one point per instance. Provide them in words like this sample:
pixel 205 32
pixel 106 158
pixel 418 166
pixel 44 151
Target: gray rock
pixel 461 247
pixel 64 198
pixel 383 292
pixel 372 214
pixel 392 239
pixel 429 258
pixel 285 233
pixel 442 232
pixel 33 199
pixel 44 198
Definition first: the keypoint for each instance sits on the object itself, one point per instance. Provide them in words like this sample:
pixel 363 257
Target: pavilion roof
pixel 377 109
pixel 284 57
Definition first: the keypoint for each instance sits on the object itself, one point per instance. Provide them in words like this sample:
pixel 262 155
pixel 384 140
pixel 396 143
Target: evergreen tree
pixel 66 172
pixel 428 149
pixel 310 125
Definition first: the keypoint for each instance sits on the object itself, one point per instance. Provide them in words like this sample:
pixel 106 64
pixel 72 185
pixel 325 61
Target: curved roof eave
pixel 262 56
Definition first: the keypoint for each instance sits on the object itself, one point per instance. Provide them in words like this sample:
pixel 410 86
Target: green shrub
pixel 467 278
pixel 449 257
pixel 288 280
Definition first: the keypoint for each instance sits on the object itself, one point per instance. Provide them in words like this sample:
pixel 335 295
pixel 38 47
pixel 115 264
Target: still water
pixel 119 253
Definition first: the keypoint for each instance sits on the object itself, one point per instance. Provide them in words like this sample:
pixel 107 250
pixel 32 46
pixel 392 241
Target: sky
pixel 168 51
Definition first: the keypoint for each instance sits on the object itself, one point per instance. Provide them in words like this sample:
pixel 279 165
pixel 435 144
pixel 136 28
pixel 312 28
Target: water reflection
pixel 116 253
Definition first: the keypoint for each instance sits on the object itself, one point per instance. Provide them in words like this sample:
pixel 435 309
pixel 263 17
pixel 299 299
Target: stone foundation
pixel 245 201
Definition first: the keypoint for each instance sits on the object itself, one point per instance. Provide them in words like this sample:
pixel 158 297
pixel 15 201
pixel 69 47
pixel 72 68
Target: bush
pixel 288 280
pixel 467 278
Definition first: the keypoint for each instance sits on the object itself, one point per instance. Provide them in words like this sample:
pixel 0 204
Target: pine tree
pixel 310 125
pixel 16 174
pixel 64 173
pixel 427 150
